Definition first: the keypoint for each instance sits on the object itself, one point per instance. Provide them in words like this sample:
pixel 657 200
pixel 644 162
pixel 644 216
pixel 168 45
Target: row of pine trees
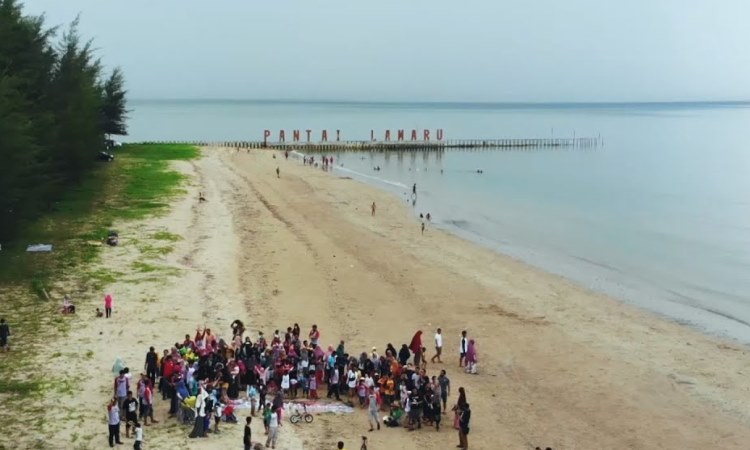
pixel 57 108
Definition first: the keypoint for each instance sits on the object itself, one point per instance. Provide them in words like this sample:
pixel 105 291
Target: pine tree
pixel 114 112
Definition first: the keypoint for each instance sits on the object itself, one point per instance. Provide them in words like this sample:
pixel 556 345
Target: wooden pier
pixel 345 146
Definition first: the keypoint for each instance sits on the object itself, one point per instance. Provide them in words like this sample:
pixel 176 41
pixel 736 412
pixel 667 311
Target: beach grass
pixel 138 184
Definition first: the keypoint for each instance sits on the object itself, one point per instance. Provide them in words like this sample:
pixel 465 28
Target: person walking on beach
pixel 463 348
pixel 273 430
pixel 372 207
pixel 4 335
pixel 438 346
pixel 414 190
pixel 278 172
pixel 423 228
pixel 113 420
pixel 108 305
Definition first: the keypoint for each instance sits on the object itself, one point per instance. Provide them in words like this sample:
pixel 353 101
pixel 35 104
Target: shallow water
pixel 658 216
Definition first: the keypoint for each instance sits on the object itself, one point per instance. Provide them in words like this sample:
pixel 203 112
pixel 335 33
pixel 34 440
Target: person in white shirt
pixel 438 346
pixel 273 430
pixel 138 436
pixel 463 348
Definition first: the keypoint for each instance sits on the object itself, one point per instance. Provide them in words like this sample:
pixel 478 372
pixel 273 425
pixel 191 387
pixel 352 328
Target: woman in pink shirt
pixel 108 305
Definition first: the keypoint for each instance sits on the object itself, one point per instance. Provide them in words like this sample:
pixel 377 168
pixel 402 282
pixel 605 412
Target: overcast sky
pixel 422 50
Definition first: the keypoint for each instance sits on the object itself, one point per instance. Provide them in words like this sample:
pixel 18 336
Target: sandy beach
pixel 559 366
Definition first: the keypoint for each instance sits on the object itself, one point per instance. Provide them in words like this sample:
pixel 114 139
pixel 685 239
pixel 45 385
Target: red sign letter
pixel 426 135
pixel 400 135
pixel 372 135
pixel 266 134
pixel 308 134
pixel 338 135
pixel 387 135
pixel 440 134
pixel 281 136
pixel 295 135
pixel 324 137
pixel 413 135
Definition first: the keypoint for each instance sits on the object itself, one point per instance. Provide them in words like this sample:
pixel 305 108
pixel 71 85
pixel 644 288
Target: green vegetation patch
pixel 138 183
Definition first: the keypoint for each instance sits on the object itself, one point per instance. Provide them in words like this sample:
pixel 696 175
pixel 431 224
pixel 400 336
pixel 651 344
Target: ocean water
pixel 658 215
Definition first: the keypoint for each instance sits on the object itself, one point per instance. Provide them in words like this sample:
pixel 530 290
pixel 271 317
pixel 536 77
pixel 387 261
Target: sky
pixel 420 50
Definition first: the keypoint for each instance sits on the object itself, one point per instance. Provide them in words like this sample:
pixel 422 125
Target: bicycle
pixel 297 416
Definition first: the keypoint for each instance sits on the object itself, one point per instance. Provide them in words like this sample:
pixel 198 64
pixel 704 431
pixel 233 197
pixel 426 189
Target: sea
pixel 656 215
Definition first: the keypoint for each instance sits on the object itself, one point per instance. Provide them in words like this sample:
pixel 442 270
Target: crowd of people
pixel 205 375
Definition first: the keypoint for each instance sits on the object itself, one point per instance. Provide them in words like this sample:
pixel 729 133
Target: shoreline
pixel 558 366
pixel 629 289
pixel 616 336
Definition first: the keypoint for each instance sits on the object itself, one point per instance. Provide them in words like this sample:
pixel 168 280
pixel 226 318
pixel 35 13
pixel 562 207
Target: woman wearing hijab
pixel 471 358
pixel 404 355
pixel 459 407
pixel 416 347
pixel 199 429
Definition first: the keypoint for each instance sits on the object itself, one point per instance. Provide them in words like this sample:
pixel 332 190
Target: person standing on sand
pixel 151 364
pixel 247 437
pixel 113 420
pixel 463 347
pixel 4 335
pixel 372 409
pixel 372 207
pixel 148 404
pixel 278 172
pixel 445 388
pixel 122 386
pixel 458 406
pixel 416 347
pixel 463 427
pixel 422 228
pixel 130 406
pixel 108 305
pixel 471 358
pixel 438 346
pixel 138 431
pixel 314 335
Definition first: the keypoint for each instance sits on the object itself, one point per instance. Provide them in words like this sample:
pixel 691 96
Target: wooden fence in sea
pixel 344 146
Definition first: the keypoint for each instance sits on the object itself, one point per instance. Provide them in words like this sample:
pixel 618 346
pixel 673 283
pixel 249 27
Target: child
pixel 304 384
pixel 313 384
pixel 267 416
pixel 138 436
pixel 218 410
pixel 294 383
pixel 99 313
pixel 362 392
pixel 252 396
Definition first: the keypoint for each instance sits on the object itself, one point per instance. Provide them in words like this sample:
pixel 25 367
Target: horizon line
pixel 442 102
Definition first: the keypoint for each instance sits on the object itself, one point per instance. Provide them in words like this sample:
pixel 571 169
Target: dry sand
pixel 559 366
